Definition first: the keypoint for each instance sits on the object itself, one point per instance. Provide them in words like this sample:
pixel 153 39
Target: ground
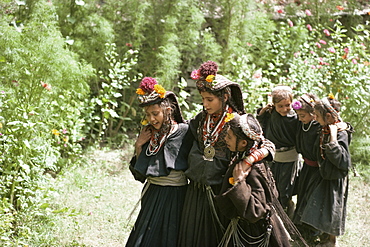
pixel 96 200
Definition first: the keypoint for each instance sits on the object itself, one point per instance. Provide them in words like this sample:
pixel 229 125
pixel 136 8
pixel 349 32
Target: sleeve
pixel 248 197
pixel 137 175
pixel 337 153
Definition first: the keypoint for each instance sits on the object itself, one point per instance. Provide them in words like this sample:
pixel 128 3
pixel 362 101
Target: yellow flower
pixel 55 132
pixel 331 96
pixel 1 125
pixel 210 78
pixel 65 139
pixel 144 122
pixel 160 90
pixel 229 116
pixel 139 91
pixel 231 181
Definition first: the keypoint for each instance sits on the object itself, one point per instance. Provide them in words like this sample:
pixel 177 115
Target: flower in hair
pixel 139 91
pixel 331 96
pixel 195 74
pixel 297 105
pixel 160 90
pixel 147 84
pixel 144 122
pixel 210 78
pixel 229 117
pixel 208 68
pixel 232 181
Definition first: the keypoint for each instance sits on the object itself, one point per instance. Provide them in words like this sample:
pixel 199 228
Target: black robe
pixel 326 208
pixel 158 221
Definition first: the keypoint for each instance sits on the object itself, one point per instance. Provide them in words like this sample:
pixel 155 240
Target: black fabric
pixel 159 218
pixel 173 155
pixel 326 208
pixel 309 176
pixel 278 129
pixel 204 171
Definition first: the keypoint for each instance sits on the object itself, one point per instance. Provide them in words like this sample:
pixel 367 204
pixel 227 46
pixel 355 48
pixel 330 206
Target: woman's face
pixel 154 115
pixel 283 107
pixel 211 103
pixel 304 116
pixel 230 140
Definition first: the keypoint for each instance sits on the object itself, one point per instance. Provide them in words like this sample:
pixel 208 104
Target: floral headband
pixel 206 75
pixel 149 91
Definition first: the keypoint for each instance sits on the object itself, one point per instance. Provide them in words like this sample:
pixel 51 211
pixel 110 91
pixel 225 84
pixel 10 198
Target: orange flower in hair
pixel 210 78
pixel 331 96
pixel 231 181
pixel 160 90
pixel 139 91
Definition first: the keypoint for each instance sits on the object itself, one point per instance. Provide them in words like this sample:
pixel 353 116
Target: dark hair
pixel 322 109
pixel 281 94
pixel 167 116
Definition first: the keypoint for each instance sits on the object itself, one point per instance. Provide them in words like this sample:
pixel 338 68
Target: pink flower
pixel 257 74
pixel 319 67
pixel 322 42
pixel 290 23
pixel 249 44
pixel 326 32
pixel 195 75
pixel 354 61
pixel 296 54
pixel 346 50
pixel 64 131
pixel 312 52
pixel 147 84
pixel 305 61
pixel 280 11
pixel 309 27
pixel 318 45
pixel 308 12
pixel 297 105
pixel 331 49
pixel 313 67
pixel 129 44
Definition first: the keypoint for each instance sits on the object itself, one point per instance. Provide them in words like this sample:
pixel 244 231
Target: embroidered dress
pixel 164 192
pixel 281 130
pixel 326 208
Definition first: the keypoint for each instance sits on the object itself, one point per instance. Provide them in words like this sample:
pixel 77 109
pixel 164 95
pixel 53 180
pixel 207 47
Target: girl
pixel 160 160
pixel 249 201
pixel 280 125
pixel 326 208
pixel 201 224
pixel 309 177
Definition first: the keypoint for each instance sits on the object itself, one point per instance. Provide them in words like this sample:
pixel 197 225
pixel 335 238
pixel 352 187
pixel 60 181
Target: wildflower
pixel 318 45
pixel 257 74
pixel 346 50
pixel 296 54
pixel 160 90
pixel 65 139
pixel 249 44
pixel 1 125
pixel 309 27
pixel 131 51
pixel 210 78
pixel 64 131
pixel 313 67
pixel 340 7
pixel 308 12
pixel 366 63
pixel 326 32
pixel 290 23
pixel 312 52
pixel 280 11
pixel 55 132
pixel 322 42
pixel 229 117
pixel 354 61
pixel 195 75
pixel 129 44
pixel 45 85
pixel 331 49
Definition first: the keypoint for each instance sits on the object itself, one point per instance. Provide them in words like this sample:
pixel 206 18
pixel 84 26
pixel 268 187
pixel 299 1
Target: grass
pixel 91 204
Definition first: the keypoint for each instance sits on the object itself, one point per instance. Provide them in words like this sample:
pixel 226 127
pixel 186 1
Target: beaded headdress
pixel 329 107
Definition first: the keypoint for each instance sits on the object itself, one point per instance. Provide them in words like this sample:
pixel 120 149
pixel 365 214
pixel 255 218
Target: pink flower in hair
pixel 195 75
pixel 208 68
pixel 297 105
pixel 147 84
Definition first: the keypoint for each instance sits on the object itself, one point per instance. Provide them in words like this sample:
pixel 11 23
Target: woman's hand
pixel 333 132
pixel 143 138
pixel 241 171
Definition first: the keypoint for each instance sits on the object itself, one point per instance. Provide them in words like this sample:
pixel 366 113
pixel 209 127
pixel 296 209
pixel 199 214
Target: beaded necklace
pixel 309 126
pixel 158 138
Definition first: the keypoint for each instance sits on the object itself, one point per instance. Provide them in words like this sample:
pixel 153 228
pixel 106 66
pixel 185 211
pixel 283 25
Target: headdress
pixel 207 79
pixel 329 107
pixel 150 93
